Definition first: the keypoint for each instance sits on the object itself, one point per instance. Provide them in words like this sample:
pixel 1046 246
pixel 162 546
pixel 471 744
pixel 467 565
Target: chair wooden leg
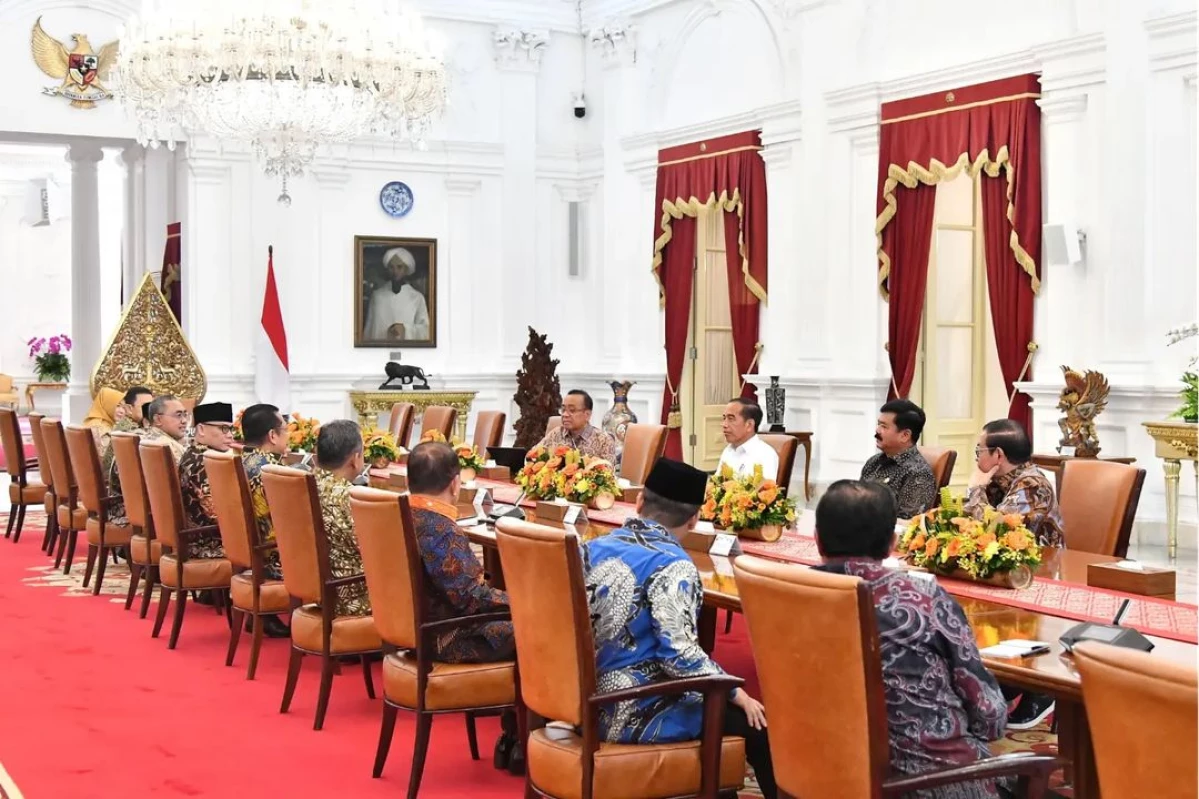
pixel 102 558
pixel 177 624
pixel 239 618
pixel 72 540
pixel 135 573
pixel 61 537
pixel 51 533
pixel 12 521
pixel 151 581
pixel 366 676
pixel 16 535
pixel 91 564
pixel 385 731
pixel 423 722
pixel 322 698
pixel 293 676
pixel 472 737
pixel 255 646
pixel 164 599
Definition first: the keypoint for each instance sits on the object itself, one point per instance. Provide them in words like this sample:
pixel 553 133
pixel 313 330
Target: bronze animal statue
pixel 405 374
pixel 1083 398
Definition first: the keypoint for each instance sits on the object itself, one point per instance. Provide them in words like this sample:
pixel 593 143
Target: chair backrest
pixel 555 650
pixel 941 460
pixel 489 430
pixel 14 447
pixel 43 454
pixel 234 507
pixel 1120 686
pixel 85 462
pixel 162 488
pixel 5 383
pixel 391 562
pixel 553 424
pixel 60 461
pixel 821 677
pixel 440 418
pixel 643 445
pixel 1098 502
pixel 133 481
pixel 400 423
pixel 299 531
pixel 786 447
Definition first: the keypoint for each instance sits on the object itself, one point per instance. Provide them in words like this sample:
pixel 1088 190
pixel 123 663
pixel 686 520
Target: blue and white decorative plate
pixel 396 199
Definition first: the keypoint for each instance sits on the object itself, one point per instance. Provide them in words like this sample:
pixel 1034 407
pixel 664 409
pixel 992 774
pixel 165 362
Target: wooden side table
pixel 1057 464
pixel 29 389
pixel 805 440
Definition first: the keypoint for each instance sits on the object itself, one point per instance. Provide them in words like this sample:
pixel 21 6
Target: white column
pixel 333 308
pixel 457 333
pixel 133 240
pixel 518 56
pixel 85 276
pixel 111 181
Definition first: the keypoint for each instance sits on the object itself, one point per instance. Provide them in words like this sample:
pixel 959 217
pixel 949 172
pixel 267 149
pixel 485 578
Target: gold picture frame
pixel 387 316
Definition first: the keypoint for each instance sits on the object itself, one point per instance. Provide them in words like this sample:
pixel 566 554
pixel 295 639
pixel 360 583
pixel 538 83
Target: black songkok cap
pixel 677 481
pixel 213 412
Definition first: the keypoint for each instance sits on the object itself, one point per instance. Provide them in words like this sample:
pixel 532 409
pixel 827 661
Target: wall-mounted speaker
pixel 1063 244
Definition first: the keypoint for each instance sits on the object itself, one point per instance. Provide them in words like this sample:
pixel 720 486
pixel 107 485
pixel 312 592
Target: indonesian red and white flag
pixel 272 378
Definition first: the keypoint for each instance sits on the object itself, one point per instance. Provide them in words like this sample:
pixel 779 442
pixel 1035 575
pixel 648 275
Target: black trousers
pixel 757 748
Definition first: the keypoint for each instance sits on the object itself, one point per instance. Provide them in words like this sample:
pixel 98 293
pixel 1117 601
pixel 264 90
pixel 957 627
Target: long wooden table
pixel 1053 673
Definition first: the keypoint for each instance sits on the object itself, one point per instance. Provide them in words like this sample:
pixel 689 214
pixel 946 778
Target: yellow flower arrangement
pixel 469 457
pixel 745 503
pixel 432 435
pixel 945 540
pixel 238 434
pixel 302 433
pixel 379 447
pixel 567 473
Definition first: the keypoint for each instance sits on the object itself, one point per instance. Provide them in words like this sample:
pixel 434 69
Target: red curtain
pixel 171 279
pixel 728 174
pixel 908 238
pixel 1011 300
pixel 993 128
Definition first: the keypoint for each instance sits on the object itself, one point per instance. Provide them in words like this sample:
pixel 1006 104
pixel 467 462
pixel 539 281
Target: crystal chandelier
pixel 286 76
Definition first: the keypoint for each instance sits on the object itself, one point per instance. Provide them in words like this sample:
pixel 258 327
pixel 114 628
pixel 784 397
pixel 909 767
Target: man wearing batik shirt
pixel 899 464
pixel 129 421
pixel 1006 481
pixel 576 431
pixel 168 422
pixel 339 463
pixel 943 706
pixel 264 432
pixel 214 430
pixel 645 595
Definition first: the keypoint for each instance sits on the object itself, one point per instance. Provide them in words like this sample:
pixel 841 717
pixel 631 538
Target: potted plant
pixel 379 448
pixel 470 463
pixel 997 549
pixel 1189 411
pixel 750 506
pixel 50 361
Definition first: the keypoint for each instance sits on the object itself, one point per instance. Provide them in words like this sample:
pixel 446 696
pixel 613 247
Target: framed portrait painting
pixel 395 292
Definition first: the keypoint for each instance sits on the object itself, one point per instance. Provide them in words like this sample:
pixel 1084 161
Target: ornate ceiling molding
pixel 616 42
pixel 518 49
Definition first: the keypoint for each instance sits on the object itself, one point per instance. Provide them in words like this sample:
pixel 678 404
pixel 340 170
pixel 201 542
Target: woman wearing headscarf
pixel 103 415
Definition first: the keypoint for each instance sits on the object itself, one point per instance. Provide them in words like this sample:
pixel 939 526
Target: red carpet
pixel 97 708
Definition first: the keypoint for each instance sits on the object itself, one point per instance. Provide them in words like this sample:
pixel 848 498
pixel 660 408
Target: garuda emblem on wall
pixel 80 69
pixel 1083 398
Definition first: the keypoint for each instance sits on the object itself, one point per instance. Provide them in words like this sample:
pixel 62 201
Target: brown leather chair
pixel 102 537
pixel 440 418
pixel 47 475
pixel 643 445
pixel 71 516
pixel 250 591
pixel 22 492
pixel 786 446
pixel 145 550
pixel 177 570
pixel 489 430
pixel 555 653
pixel 815 695
pixel 1098 502
pixel 553 424
pixel 8 393
pixel 1123 686
pixel 400 423
pixel 395 578
pixel 304 555
pixel 941 460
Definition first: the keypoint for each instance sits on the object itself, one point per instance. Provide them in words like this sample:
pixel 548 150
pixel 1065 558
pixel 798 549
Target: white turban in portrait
pixel 401 255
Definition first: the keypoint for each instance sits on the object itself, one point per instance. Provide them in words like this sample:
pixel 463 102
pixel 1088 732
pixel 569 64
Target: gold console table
pixel 369 404
pixel 1174 442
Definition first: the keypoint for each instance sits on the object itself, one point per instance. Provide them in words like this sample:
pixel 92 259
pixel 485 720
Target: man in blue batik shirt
pixel 645 595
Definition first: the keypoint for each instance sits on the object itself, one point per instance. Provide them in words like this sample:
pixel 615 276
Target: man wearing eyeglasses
pixel 168 422
pixel 576 431
pixel 214 430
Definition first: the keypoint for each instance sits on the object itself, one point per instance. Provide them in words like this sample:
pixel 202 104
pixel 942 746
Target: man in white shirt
pixel 397 311
pixel 745 449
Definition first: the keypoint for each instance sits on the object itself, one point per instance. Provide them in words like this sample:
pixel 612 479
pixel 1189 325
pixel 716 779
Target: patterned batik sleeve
pixel 976 501
pixel 918 494
pixel 975 686
pixel 606 447
pixel 451 565
pixel 674 596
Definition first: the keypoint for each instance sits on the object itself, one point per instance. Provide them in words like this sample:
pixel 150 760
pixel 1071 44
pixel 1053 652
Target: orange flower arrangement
pixel 302 433
pixel 567 473
pixel 946 540
pixel 745 503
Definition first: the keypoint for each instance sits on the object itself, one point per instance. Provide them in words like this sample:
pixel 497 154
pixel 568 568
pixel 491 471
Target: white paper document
pixel 1015 648
pixel 723 544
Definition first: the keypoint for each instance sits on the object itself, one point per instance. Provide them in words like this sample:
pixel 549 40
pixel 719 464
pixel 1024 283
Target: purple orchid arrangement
pixel 50 357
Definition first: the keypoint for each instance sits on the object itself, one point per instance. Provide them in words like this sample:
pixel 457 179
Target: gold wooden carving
pixel 1083 398
pixel 148 349
pixel 369 404
pixel 1174 442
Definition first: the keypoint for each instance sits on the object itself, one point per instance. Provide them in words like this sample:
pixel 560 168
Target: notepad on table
pixel 1015 648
